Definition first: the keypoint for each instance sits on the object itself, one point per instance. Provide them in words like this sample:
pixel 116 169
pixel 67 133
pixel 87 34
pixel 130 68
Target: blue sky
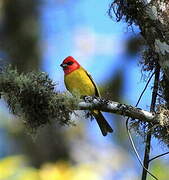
pixel 66 25
pixel 82 29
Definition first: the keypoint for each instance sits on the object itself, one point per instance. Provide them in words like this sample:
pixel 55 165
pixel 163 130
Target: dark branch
pixel 149 134
pixel 160 155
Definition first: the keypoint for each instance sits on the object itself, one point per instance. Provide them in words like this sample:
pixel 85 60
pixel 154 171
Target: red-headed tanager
pixel 77 80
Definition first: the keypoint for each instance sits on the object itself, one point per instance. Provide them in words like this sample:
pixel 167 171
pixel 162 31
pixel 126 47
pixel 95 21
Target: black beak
pixel 63 65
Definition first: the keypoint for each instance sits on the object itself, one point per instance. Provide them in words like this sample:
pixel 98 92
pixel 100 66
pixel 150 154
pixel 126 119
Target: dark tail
pixel 103 124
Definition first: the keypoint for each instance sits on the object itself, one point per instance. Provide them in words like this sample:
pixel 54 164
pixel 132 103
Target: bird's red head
pixel 69 64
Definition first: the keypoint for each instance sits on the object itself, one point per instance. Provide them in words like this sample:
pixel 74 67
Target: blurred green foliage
pixel 160 169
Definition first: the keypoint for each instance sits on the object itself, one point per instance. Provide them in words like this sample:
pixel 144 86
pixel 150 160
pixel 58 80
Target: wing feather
pixel 97 93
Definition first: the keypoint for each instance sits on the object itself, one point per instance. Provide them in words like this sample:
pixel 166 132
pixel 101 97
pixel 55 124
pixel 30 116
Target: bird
pixel 78 80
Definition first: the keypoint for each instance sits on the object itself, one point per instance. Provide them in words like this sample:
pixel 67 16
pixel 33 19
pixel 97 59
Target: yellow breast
pixel 79 81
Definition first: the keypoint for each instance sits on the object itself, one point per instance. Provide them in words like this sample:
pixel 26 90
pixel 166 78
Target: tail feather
pixel 103 124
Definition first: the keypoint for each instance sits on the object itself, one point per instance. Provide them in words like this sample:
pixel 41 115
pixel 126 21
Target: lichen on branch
pixel 33 98
pixel 152 17
pixel 91 103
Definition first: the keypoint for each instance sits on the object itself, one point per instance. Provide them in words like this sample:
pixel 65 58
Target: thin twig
pixel 144 89
pixel 152 109
pixel 146 155
pixel 160 155
pixel 129 134
pixel 135 150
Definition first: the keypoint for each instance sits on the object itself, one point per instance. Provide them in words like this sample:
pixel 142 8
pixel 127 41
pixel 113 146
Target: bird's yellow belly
pixel 78 82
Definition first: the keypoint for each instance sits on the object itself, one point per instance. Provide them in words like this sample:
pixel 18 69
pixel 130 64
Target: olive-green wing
pixel 96 88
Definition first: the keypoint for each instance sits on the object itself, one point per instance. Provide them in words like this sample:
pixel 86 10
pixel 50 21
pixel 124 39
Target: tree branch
pixel 152 17
pixel 91 103
pixel 160 155
pixel 46 104
pixel 155 30
pixel 149 134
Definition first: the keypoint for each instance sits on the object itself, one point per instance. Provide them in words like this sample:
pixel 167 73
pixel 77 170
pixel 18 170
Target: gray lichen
pixel 152 17
pixel 32 97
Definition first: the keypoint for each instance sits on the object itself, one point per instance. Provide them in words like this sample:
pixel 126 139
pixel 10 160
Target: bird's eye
pixel 70 63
